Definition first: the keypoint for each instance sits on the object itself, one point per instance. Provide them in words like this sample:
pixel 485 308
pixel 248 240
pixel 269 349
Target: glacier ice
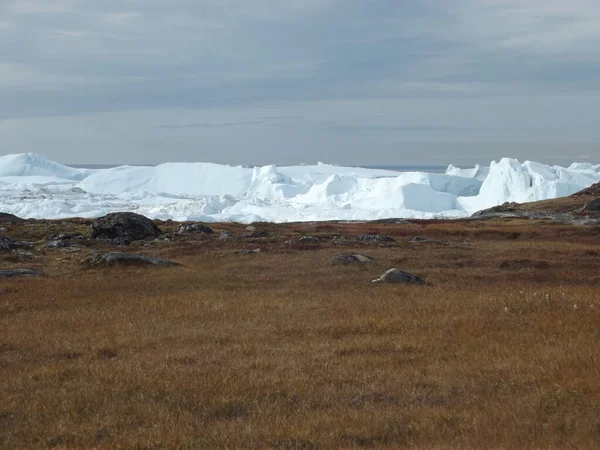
pixel 32 186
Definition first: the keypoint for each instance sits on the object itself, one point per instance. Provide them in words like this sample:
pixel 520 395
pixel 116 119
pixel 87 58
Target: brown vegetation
pixel 281 350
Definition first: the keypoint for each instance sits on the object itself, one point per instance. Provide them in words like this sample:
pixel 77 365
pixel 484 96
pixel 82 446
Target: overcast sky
pixel 358 82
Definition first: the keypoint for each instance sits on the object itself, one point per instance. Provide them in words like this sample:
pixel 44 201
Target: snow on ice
pixel 32 186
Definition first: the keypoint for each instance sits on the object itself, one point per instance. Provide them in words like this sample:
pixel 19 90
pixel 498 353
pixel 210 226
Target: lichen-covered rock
pixel 374 238
pixel 124 226
pixel 398 276
pixel 194 228
pixel 7 244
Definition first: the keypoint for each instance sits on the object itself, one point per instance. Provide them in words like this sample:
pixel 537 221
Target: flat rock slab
pixel 398 276
pixel 350 259
pixel 116 258
pixel 12 273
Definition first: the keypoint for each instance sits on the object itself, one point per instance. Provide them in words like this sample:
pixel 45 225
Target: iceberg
pixel 32 186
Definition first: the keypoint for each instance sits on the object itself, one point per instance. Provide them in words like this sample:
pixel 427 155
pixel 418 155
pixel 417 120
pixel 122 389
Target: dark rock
pixel 6 217
pixel 7 244
pixel 309 240
pixel 124 226
pixel 11 273
pixel 351 259
pixel 398 276
pixel 194 228
pixel 117 258
pixel 374 238
pixel 592 206
pixel 120 241
pixel 503 208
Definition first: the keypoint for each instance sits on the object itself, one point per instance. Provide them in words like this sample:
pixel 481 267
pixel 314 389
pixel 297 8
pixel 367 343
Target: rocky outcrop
pixel 194 228
pixel 7 244
pixel 124 227
pixel 398 276
pixel 374 238
pixel 592 206
pixel 6 217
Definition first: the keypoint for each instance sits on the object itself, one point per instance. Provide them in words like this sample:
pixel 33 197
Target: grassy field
pixel 282 350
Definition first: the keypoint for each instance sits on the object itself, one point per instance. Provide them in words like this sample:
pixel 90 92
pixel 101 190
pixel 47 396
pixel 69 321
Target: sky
pixel 353 82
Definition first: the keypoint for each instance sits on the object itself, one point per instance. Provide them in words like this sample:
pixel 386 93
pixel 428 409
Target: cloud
pixel 475 61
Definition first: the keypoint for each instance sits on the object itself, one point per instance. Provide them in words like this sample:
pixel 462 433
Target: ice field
pixel 32 186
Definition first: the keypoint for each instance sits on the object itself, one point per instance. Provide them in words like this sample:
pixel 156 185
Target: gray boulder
pixel 12 273
pixel 374 238
pixel 309 240
pixel 398 276
pixel 194 228
pixel 350 259
pixel 7 244
pixel 119 258
pixel 124 227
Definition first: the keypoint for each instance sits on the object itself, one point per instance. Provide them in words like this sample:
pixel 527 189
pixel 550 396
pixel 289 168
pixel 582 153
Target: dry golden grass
pixel 281 350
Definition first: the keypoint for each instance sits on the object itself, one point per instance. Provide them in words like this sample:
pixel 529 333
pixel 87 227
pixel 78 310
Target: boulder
pixel 194 228
pixel 12 273
pixel 7 244
pixel 309 240
pixel 123 227
pixel 374 238
pixel 398 276
pixel 350 259
pixel 116 258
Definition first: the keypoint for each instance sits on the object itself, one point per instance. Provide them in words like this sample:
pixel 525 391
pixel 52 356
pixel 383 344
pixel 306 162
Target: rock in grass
pixel 350 259
pixel 119 258
pixel 126 226
pixel 12 273
pixel 374 238
pixel 309 240
pixel 7 244
pixel 194 228
pixel 256 251
pixel 398 276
